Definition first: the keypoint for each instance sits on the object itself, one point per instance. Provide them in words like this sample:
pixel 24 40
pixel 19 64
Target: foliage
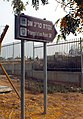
pixel 36 86
pixel 35 3
pixel 71 23
pixel 18 6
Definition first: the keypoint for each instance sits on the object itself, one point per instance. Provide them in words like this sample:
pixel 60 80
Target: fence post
pixel 13 59
pixel 81 63
pixel 33 61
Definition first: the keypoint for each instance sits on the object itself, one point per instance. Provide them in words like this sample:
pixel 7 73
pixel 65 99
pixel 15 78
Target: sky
pixel 51 12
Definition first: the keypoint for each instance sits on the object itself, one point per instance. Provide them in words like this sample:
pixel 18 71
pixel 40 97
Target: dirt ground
pixel 60 105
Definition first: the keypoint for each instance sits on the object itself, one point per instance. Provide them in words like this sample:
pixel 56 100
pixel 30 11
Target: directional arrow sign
pixel 34 29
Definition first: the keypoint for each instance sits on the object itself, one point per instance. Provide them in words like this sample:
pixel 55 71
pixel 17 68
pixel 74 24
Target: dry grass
pixel 60 105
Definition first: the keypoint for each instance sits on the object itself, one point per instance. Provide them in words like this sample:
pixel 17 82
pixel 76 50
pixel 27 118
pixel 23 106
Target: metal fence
pixel 69 47
pixel 62 56
pixel 66 58
pixel 13 51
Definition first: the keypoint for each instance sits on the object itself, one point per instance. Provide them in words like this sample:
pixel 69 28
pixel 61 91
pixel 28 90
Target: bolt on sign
pixel 34 29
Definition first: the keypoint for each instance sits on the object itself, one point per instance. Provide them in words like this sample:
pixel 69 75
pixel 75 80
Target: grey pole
pixel 81 62
pixel 22 81
pixel 33 61
pixel 45 79
pixel 33 51
pixel 13 59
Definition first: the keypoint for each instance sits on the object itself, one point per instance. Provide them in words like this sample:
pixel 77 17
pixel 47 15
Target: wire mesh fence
pixel 13 50
pixel 61 56
pixel 71 47
pixel 65 58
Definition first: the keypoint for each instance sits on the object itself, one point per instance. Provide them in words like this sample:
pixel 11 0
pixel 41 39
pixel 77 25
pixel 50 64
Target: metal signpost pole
pixel 33 29
pixel 45 79
pixel 81 42
pixel 22 81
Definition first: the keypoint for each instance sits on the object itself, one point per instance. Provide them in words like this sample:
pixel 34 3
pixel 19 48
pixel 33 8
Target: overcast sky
pixel 51 12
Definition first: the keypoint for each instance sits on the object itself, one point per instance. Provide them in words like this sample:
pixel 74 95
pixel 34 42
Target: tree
pixel 71 23
pixel 19 6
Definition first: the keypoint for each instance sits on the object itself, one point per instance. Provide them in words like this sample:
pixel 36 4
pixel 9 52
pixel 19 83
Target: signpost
pixel 22 81
pixel 33 29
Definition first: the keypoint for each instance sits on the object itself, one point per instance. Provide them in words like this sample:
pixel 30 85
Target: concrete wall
pixel 53 76
pixel 60 77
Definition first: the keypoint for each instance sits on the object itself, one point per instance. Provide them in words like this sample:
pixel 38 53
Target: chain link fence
pixel 13 51
pixel 62 55
pixel 69 47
